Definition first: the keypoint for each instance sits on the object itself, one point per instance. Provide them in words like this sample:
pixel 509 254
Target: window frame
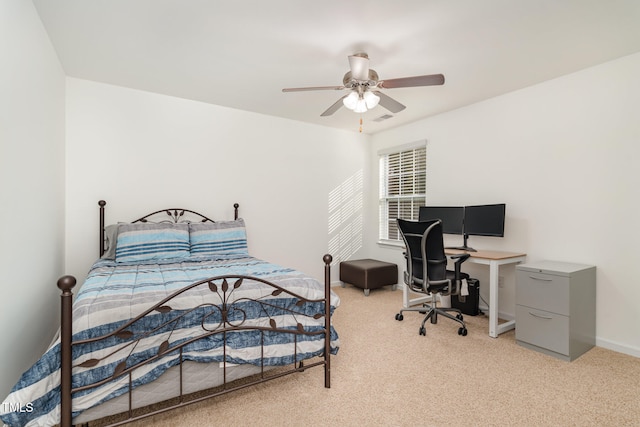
pixel 416 198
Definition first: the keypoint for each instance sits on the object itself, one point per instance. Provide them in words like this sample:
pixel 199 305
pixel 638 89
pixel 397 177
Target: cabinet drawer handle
pixel 544 279
pixel 540 317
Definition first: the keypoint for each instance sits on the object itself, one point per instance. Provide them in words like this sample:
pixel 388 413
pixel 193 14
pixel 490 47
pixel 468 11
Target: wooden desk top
pixel 491 255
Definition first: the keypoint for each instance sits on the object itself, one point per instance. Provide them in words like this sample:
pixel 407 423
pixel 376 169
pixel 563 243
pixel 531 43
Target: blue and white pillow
pixel 218 238
pixel 151 241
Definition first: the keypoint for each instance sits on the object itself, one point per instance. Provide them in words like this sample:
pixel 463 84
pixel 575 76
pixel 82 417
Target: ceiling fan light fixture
pixel 361 106
pixel 371 99
pixel 364 86
pixel 360 103
pixel 351 100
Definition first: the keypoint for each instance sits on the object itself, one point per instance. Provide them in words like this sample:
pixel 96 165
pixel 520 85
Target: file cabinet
pixel 556 308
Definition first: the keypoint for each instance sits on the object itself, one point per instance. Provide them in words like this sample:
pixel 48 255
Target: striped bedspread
pixel 115 293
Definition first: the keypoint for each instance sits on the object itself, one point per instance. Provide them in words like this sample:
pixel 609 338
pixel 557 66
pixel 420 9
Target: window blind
pixel 403 188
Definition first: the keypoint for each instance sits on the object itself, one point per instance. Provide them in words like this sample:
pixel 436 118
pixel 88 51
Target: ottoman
pixel 368 274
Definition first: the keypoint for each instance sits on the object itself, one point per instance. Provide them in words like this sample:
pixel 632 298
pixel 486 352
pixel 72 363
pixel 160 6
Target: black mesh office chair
pixel 423 241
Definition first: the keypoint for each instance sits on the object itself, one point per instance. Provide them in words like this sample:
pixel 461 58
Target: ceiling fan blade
pixel 335 107
pixel 428 80
pixel 304 89
pixel 389 103
pixel 359 67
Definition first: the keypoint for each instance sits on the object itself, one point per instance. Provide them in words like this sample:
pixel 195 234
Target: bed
pixel 175 311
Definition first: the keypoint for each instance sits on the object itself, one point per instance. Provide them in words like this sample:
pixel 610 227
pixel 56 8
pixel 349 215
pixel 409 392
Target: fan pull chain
pixel 360 124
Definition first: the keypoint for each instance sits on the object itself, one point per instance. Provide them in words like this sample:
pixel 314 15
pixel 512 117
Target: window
pixel 403 187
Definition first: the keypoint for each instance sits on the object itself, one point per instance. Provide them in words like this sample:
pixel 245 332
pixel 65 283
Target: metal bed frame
pixel 221 305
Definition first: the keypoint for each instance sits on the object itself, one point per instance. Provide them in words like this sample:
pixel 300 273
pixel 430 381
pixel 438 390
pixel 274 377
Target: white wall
pixel 562 156
pixel 143 152
pixel 32 86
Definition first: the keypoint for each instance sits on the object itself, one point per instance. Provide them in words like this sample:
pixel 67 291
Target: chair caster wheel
pixel 423 331
pixel 459 317
pixel 462 331
pixel 399 316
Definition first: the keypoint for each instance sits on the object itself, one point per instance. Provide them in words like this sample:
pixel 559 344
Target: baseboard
pixel 620 348
pixel 505 316
pixel 501 315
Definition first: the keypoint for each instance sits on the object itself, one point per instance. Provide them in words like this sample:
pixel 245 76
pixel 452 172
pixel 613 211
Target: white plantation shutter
pixel 403 187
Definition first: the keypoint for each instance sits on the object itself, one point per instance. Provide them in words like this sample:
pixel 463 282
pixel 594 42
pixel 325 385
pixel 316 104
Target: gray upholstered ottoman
pixel 368 274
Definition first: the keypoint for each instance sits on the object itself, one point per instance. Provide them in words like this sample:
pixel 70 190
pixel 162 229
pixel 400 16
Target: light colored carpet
pixel 385 374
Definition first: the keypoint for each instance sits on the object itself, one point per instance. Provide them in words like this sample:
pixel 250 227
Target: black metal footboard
pixel 224 315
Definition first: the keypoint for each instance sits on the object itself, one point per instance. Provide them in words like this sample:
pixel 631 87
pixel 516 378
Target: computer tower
pixel 470 304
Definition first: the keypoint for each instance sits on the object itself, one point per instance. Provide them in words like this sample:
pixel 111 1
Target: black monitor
pixel 484 220
pixel 452 217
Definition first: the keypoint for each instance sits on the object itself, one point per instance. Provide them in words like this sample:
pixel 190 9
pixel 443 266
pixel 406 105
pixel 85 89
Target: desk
pixel 494 259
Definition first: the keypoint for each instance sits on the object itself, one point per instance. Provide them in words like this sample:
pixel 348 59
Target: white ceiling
pixel 240 54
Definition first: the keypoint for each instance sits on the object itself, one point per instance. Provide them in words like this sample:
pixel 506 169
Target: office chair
pixel 427 270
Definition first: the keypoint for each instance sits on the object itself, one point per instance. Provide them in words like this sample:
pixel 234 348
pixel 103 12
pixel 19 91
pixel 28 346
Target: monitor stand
pixel 464 247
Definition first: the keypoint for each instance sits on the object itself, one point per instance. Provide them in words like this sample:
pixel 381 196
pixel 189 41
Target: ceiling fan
pixel 363 85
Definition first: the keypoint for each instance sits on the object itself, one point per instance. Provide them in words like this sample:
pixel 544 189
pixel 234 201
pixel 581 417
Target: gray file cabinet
pixel 556 308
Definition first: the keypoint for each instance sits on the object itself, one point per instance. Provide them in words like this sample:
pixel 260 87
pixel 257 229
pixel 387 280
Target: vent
pixel 383 118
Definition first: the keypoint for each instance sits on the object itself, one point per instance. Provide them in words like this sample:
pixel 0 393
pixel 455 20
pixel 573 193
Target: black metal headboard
pixel 175 215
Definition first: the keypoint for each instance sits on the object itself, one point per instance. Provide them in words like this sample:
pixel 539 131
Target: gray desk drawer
pixel 543 329
pixel 545 291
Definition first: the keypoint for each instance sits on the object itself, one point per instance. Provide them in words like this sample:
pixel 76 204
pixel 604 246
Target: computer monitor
pixel 484 220
pixel 452 217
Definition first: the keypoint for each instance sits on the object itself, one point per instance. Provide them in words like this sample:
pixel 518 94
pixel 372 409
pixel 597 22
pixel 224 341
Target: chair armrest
pixel 461 257
pixel 459 260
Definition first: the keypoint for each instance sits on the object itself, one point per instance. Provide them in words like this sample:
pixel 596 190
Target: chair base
pixel 432 312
